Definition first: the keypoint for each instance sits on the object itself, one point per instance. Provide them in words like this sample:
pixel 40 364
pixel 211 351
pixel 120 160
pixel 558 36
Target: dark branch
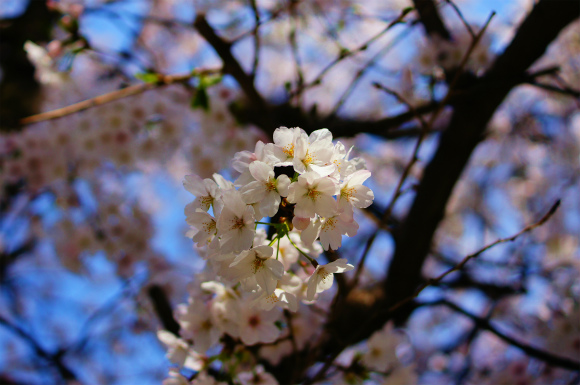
pixel 54 359
pixel 463 134
pixel 431 19
pixel 163 309
pixel 482 323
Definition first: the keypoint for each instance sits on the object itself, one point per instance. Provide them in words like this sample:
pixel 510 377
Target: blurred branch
pixel 465 23
pixel 460 265
pixel 230 64
pixel 472 112
pixel 548 87
pixel 19 90
pixel 164 80
pixel 8 258
pixel 343 54
pixel 431 19
pixel 256 34
pixel 465 131
pixel 54 359
pixel 531 351
pixel 163 309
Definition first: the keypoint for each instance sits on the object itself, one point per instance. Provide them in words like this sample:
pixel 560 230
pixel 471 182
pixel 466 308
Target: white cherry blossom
pixel 257 263
pixel 381 354
pixel 206 191
pixel 179 351
pixel 330 231
pixel 323 277
pixel 354 194
pixel 235 224
pixel 278 298
pixel 257 326
pixel 266 189
pixel 314 153
pixel 205 225
pixel 285 138
pixel 197 323
pixel 313 195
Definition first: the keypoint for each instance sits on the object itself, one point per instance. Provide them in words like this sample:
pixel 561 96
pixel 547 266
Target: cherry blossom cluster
pixel 316 202
pixel 307 188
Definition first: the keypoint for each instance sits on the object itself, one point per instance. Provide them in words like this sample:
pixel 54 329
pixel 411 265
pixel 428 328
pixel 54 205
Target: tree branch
pixel 531 351
pixel 115 95
pixel 458 141
pixel 431 19
pixel 231 65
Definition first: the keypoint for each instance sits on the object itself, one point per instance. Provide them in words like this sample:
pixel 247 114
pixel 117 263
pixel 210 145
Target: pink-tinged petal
pixel 330 238
pixel 326 186
pixel 269 333
pixel 323 170
pixel 325 206
pixel 312 285
pixel 290 300
pixel 358 177
pixel 194 184
pixel 211 187
pixel 270 203
pixel 305 208
pixel 339 266
pixel 275 266
pixel 300 223
pixel 222 182
pixel 191 208
pixel 261 171
pixel 264 251
pixel 292 193
pixel 345 207
pixel 321 135
pixel 266 281
pixel 349 227
pixel 363 197
pixel 309 235
pixel 253 192
pixel 233 201
pixel 282 136
pixel 282 185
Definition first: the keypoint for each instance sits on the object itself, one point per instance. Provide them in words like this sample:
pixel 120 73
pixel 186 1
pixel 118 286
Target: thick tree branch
pixel 472 112
pixel 465 131
pixel 231 64
pixel 431 19
pixel 163 309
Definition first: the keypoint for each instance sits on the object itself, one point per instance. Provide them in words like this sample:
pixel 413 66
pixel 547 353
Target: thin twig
pixel 109 97
pixel 531 351
pixel 343 54
pixel 465 23
pixel 460 265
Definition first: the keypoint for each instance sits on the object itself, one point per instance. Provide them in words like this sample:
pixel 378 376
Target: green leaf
pixel 200 99
pixel 210 80
pixel 148 77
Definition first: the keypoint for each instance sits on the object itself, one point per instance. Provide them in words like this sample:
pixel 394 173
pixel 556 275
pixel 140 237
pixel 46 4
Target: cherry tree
pixel 282 192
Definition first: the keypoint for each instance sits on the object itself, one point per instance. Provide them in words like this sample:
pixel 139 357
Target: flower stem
pixel 312 261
